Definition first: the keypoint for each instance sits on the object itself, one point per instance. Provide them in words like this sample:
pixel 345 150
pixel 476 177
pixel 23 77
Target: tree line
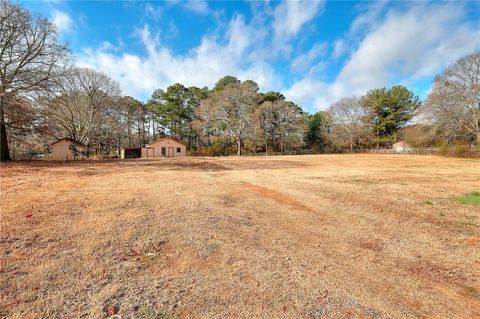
pixel 44 97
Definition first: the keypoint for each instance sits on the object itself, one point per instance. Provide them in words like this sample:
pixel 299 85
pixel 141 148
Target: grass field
pixel 333 236
pixel 473 197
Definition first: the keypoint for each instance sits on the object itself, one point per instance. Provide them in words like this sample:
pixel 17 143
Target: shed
pixel 136 152
pixel 67 149
pixel 401 147
pixel 168 147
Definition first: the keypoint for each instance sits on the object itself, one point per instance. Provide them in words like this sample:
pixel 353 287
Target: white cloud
pixel 203 65
pixel 62 21
pixel 410 44
pixel 197 6
pixel 153 11
pixel 414 43
pixel 303 61
pixel 407 43
pixel 339 48
pixel 288 19
pixel 307 91
pixel 172 30
pixel 290 16
pixel 313 94
pixel 370 16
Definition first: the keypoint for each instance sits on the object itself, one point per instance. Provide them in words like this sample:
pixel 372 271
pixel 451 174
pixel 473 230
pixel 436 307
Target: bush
pixel 461 150
pixel 458 149
pixel 219 147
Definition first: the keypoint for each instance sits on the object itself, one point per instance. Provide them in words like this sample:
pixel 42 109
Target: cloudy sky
pixel 314 52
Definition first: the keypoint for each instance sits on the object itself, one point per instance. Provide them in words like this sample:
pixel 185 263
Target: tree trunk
pixel 5 153
pixel 266 147
pixel 378 139
pixel 239 147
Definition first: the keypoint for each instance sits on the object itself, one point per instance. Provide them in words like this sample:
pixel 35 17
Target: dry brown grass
pixel 334 236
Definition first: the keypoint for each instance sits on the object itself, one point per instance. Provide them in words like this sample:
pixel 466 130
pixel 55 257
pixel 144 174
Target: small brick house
pixel 163 147
pixel 168 147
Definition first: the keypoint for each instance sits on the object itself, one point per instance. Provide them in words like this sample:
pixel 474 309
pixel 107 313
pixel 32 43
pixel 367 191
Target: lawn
pixel 473 198
pixel 324 236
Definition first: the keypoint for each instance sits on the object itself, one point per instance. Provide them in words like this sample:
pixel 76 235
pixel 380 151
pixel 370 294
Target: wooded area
pixel 44 97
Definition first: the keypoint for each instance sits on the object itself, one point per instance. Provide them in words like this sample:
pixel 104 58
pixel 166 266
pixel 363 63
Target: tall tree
pixel 280 123
pixel 226 81
pixel 229 111
pixel 271 96
pixel 81 103
pixel 453 106
pixel 348 117
pixel 175 109
pixel 133 115
pixel 290 122
pixel 389 110
pixel 31 59
pixel 126 106
pixel 265 120
pixel 24 126
pixel 313 134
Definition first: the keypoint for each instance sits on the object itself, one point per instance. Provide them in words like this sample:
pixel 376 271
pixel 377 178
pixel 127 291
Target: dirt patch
pixel 276 196
pixel 465 297
pixel 372 244
pixel 472 241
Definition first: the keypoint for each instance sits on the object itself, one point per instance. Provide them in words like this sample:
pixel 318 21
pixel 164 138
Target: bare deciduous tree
pixel 229 111
pixel 265 117
pixel 280 123
pixel 348 117
pixel 81 104
pixel 290 124
pixel 453 106
pixel 419 135
pixel 31 59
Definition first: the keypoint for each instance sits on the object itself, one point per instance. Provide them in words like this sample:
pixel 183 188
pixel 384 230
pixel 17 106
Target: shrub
pixel 458 149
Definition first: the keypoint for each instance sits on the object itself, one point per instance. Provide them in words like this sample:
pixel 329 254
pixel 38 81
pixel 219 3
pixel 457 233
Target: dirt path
pixel 334 236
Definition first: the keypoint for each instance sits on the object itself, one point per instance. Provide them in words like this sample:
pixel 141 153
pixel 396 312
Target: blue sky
pixel 314 52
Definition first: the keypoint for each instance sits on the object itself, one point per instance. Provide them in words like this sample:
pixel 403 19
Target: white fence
pixel 418 151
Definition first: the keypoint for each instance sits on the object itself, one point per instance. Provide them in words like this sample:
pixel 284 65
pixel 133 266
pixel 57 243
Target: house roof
pixel 68 139
pixel 167 138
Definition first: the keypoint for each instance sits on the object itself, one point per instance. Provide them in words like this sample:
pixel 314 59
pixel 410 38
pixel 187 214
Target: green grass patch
pixel 473 198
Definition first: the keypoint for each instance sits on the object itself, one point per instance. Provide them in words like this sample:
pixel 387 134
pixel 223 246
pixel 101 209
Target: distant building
pixel 168 147
pixel 136 152
pixel 67 149
pixel 402 147
pixel 163 147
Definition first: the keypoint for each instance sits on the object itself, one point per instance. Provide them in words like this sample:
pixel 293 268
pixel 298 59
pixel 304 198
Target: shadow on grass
pixel 209 164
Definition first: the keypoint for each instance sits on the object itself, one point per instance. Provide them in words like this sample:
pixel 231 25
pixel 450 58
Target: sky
pixel 314 52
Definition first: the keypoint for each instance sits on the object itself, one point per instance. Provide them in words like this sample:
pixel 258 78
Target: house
pixel 402 147
pixel 163 147
pixel 67 149
pixel 168 147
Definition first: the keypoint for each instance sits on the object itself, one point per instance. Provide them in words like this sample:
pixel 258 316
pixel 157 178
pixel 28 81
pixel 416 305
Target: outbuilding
pixel 168 147
pixel 402 147
pixel 67 149
pixel 136 152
